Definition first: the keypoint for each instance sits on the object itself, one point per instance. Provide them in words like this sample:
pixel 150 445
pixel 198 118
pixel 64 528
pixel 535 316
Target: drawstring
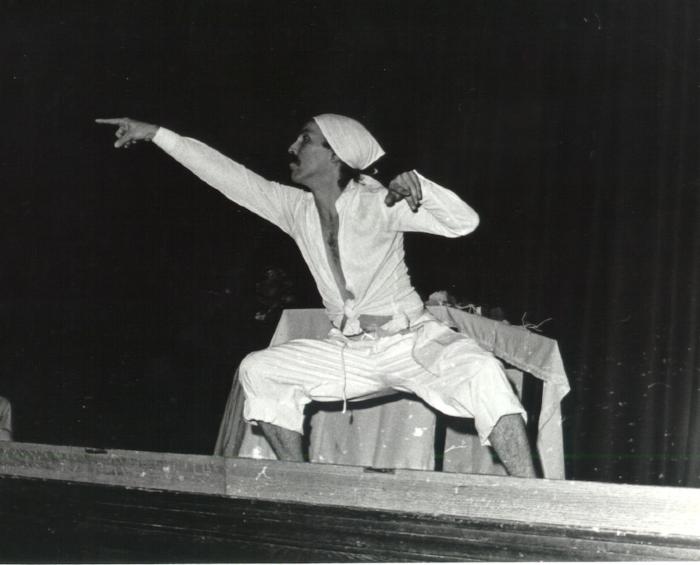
pixel 345 376
pixel 402 324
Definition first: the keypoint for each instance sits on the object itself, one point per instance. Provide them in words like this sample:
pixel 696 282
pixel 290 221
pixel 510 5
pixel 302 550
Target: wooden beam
pixel 136 469
pixel 595 507
pixel 344 512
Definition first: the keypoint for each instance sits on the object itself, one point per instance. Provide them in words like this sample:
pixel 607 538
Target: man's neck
pixel 326 192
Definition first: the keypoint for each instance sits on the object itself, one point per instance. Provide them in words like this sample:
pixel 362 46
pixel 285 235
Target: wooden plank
pixel 644 515
pixel 84 522
pixel 590 506
pixel 187 473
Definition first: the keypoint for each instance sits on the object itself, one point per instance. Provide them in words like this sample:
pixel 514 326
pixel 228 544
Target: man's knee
pixel 252 366
pixel 256 374
pixel 493 366
pixel 492 379
pixel 250 363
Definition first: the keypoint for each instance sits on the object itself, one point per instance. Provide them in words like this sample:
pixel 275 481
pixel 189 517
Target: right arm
pixel 270 200
pixel 430 208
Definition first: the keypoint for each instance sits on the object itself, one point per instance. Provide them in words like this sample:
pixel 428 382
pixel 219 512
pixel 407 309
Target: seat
pixel 399 431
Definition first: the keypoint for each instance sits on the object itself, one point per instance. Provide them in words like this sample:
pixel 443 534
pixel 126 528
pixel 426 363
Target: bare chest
pixel 329 231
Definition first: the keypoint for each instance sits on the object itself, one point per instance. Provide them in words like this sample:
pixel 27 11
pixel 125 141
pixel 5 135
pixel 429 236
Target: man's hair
pixel 346 172
pixel 383 169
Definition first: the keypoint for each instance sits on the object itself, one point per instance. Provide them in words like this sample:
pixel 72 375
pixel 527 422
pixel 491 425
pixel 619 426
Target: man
pixel 349 229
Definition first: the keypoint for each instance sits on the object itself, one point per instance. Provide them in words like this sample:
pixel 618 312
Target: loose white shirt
pixel 370 234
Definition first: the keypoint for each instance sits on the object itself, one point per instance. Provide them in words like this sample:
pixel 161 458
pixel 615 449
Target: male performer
pixel 349 229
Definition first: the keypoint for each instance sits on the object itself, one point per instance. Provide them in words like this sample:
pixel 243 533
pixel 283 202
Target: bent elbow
pixel 475 221
pixel 467 225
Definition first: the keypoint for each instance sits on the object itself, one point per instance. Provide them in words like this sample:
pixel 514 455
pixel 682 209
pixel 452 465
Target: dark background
pixel 127 288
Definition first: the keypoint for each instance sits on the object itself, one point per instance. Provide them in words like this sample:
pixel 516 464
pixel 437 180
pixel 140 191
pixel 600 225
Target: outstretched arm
pixel 130 131
pixel 272 201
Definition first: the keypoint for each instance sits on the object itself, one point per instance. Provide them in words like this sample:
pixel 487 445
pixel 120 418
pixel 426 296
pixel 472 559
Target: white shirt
pixel 370 234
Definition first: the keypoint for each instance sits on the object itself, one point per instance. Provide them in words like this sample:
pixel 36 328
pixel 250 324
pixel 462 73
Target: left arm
pixel 429 208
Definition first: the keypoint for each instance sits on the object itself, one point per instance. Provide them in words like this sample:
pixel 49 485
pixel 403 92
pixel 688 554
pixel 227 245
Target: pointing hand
pixel 129 131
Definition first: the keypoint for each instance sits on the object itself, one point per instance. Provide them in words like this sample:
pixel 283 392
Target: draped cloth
pixel 399 432
pixel 350 140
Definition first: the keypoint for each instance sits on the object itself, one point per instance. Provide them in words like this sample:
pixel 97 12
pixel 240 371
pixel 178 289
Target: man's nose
pixel 293 148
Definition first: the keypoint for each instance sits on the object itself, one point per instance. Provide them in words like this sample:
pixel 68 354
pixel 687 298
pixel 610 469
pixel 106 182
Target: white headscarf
pixel 350 140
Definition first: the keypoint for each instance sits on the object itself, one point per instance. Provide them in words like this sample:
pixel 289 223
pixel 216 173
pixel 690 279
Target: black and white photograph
pixel 314 281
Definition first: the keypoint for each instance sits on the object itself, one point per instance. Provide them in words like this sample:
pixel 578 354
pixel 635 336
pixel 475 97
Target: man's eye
pixel 305 138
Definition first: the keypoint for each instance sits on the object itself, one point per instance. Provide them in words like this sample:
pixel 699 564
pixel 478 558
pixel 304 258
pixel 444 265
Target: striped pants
pixel 461 379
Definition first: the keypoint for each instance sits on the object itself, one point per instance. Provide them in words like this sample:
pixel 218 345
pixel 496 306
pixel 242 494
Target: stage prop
pixel 399 432
pixel 70 504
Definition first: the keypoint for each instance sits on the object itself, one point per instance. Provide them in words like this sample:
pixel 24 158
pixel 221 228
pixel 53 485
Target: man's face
pixel 310 158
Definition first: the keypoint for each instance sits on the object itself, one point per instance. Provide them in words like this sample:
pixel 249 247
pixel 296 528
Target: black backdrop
pixel 128 288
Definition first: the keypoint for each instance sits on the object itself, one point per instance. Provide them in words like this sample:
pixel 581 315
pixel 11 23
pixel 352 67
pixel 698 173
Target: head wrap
pixel 350 140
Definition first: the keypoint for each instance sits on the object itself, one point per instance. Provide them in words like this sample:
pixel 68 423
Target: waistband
pixel 377 325
pixel 367 322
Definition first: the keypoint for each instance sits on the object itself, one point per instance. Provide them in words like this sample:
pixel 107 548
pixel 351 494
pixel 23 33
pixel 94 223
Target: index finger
pixel 112 121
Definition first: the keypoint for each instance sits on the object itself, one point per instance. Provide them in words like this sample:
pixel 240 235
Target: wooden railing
pixel 77 504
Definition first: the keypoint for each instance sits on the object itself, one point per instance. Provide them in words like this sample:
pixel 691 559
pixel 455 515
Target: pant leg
pixel 463 381
pixel 279 381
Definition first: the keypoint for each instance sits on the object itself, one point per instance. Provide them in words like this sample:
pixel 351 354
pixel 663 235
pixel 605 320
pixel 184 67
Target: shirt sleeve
pixel 270 200
pixel 441 212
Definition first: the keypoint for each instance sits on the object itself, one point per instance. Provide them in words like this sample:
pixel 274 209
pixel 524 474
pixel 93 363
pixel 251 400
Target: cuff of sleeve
pixel 166 139
pixel 424 182
pixel 426 185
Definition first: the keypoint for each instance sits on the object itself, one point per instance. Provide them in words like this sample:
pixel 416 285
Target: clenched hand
pixel 405 186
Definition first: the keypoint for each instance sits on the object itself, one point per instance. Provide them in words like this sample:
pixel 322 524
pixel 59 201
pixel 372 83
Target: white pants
pixel 462 380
